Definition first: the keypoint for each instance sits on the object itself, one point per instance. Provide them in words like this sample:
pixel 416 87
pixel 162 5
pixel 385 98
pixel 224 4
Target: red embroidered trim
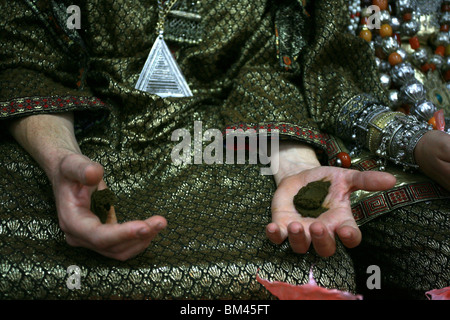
pixel 384 202
pixel 26 105
pixel 285 129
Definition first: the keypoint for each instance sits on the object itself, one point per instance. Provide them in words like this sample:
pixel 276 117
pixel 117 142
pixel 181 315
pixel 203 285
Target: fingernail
pixel 160 226
pixel 143 232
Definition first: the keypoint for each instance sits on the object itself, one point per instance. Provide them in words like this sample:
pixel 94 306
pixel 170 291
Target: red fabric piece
pixel 439 294
pixel 440 120
pixel 309 291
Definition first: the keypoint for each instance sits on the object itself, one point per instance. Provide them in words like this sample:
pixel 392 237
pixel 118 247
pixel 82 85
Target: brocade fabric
pixel 215 241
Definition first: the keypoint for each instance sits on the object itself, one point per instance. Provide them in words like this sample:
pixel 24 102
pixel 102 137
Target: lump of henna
pixel 309 199
pixel 101 203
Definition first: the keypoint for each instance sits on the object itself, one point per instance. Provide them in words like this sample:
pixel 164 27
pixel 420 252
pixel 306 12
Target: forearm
pixel 48 138
pixel 293 157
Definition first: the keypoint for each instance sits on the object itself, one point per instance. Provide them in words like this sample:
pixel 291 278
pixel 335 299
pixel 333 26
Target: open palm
pixel 338 220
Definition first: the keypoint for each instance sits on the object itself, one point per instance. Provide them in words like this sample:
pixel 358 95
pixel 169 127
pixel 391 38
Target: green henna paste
pixel 309 199
pixel 101 202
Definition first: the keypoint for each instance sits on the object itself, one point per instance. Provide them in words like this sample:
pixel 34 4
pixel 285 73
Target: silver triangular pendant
pixel 161 74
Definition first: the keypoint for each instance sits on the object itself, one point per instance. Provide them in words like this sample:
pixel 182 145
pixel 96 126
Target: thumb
pixel 371 180
pixel 79 168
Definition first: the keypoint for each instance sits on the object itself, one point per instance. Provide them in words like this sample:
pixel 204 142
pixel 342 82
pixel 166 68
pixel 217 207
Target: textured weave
pixel 215 242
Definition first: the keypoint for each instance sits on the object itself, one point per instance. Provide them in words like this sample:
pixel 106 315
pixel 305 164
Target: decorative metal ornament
pixel 423 110
pixel 161 74
pixel 402 73
pixel 412 92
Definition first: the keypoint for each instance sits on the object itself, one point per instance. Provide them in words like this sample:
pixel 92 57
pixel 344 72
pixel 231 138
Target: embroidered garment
pixel 237 62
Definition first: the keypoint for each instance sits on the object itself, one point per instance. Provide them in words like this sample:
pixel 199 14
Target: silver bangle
pixel 399 139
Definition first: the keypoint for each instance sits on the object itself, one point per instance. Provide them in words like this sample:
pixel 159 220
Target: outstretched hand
pixel 338 220
pixel 78 177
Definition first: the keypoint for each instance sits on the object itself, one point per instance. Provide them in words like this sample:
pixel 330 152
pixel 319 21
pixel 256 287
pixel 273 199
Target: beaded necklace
pixel 400 21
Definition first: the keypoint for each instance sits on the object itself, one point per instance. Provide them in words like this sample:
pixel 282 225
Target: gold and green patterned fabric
pixel 249 66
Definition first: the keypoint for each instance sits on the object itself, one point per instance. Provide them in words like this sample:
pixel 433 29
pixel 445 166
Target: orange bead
pixel 440 50
pixel 383 4
pixel 426 67
pixel 364 21
pixel 366 34
pixel 415 43
pixel 345 159
pixel 385 31
pixel 432 121
pixel 395 58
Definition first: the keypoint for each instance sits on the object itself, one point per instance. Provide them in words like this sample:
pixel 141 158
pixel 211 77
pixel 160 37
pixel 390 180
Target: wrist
pixel 293 158
pixel 47 138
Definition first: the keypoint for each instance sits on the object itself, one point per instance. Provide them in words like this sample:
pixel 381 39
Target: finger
pixel 323 243
pixel 349 234
pixel 153 226
pixel 132 246
pixel 275 234
pixel 119 241
pixel 143 230
pixel 370 180
pixel 299 240
pixel 77 167
pixel 96 235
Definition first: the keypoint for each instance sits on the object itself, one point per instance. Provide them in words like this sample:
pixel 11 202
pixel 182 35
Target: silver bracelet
pixel 399 139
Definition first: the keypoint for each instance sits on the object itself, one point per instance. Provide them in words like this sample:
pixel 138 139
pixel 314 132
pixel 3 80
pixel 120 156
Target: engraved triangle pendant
pixel 161 74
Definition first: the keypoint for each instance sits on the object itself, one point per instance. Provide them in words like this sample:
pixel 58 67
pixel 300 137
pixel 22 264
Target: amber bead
pixel 346 161
pixel 432 122
pixel 415 43
pixel 445 7
pixel 440 50
pixel 426 67
pixel 385 31
pixel 366 34
pixel 383 4
pixel 444 28
pixel 395 58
